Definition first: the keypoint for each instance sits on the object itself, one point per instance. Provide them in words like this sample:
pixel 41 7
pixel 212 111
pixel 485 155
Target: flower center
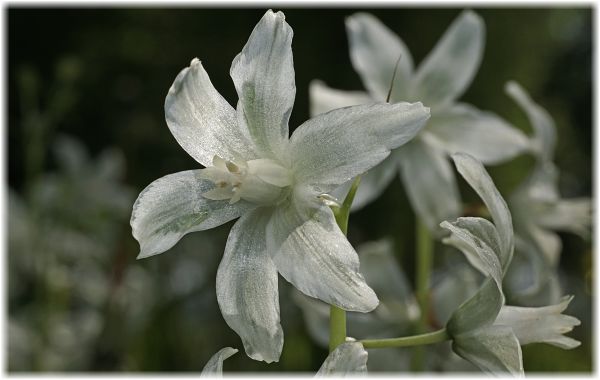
pixel 262 181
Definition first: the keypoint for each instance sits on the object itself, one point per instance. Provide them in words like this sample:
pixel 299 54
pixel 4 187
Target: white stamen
pixel 259 181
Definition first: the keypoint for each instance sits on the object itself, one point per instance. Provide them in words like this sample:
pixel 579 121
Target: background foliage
pixel 78 299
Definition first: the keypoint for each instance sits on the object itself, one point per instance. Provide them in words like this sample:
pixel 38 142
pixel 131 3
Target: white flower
pixel 440 79
pixel 539 210
pixel 214 366
pixel 254 171
pixel 541 324
pixel 485 331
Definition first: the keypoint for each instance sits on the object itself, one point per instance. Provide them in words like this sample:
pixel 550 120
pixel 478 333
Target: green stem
pixel 424 262
pixel 407 341
pixel 337 327
pixel 337 316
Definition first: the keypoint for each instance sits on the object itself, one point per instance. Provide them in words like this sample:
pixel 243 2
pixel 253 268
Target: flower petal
pixel 214 366
pixel 334 147
pixel 476 175
pixel 313 254
pixel 202 121
pixel 478 239
pixel 541 324
pixel 324 98
pixel 263 74
pixel 493 349
pixel 348 358
pixel 448 70
pixel 484 135
pixel 374 51
pixel 247 289
pixel 173 206
pixel 544 130
pixel 429 182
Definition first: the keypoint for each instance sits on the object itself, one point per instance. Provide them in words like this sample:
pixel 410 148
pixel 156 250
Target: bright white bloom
pixel 485 331
pixel 541 324
pixel 539 210
pixel 349 358
pixel 440 79
pixel 272 182
pixel 214 366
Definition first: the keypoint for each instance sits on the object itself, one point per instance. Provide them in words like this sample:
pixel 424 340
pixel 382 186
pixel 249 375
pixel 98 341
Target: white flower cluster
pixel 275 184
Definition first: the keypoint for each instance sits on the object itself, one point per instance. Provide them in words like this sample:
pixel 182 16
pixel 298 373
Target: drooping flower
pixel 454 127
pixel 539 210
pixel 484 330
pixel 272 182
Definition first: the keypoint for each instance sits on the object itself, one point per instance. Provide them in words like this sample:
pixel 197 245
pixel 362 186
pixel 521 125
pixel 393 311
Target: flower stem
pixel 407 341
pixel 337 327
pixel 424 262
pixel 337 316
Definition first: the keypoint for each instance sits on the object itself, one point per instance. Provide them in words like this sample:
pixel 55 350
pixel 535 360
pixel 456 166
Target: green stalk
pixel 337 316
pixel 424 262
pixel 337 327
pixel 407 341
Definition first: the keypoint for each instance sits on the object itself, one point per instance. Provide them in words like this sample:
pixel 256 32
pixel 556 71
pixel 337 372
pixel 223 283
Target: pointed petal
pixel 202 121
pixel 429 182
pixel 541 324
pixel 334 147
pixel 314 255
pixel 324 98
pixel 448 70
pixel 214 367
pixel 247 289
pixel 494 349
pixel 476 175
pixel 484 135
pixel 263 74
pixel 478 239
pixel 173 206
pixel 348 358
pixel 544 130
pixel 374 51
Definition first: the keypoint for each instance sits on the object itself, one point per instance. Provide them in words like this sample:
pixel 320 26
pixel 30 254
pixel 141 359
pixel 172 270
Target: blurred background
pixel 86 133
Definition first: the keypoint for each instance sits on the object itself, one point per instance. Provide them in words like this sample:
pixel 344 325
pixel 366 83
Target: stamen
pixel 233 168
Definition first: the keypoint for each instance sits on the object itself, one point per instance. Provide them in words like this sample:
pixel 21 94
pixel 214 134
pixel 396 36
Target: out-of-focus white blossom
pixel 438 82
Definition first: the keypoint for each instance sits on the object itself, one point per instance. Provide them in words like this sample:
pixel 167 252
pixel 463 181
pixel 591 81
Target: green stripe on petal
pixel 173 206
